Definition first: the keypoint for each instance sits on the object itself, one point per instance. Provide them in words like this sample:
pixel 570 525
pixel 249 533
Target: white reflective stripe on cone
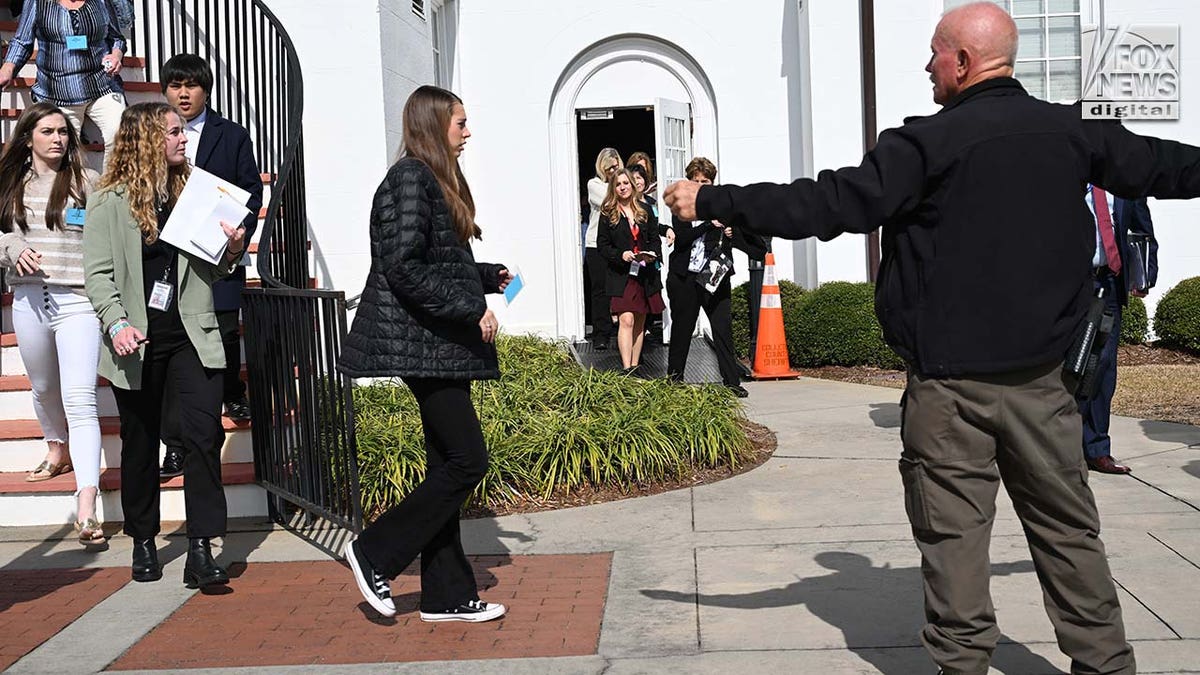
pixel 772 301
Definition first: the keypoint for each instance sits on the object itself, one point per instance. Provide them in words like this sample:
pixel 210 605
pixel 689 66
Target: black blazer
pixel 686 235
pixel 226 152
pixel 613 240
pixel 1133 216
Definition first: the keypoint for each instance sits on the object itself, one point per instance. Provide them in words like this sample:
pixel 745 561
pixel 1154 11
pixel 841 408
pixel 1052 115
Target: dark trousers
pixel 962 437
pixel 172 366
pixel 1096 410
pixel 426 521
pixel 232 387
pixel 687 298
pixel 602 323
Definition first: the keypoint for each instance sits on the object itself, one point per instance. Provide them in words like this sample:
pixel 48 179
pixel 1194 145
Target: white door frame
pixel 564 151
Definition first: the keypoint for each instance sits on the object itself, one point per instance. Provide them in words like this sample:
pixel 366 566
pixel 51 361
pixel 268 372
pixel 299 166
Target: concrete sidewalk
pixel 803 565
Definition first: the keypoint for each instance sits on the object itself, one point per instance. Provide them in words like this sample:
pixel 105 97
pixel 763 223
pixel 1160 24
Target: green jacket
pixel 112 264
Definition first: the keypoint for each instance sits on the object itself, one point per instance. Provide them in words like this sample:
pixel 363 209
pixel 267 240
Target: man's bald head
pixel 972 43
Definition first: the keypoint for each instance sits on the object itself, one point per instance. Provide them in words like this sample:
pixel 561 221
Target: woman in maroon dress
pixel 630 244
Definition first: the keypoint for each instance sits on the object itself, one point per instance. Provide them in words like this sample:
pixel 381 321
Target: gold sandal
pixel 46 471
pixel 90 532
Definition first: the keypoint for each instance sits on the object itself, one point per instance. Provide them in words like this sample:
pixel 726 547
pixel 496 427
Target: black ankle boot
pixel 201 570
pixel 145 560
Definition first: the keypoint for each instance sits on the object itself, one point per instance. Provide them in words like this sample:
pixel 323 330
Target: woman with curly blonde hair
pixel 155 305
pixel 632 250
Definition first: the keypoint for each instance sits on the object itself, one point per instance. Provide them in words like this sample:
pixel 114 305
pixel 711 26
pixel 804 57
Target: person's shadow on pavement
pixel 885 415
pixel 1193 468
pixel 874 607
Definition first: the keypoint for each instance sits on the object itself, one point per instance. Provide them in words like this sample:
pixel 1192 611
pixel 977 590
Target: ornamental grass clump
pixel 551 425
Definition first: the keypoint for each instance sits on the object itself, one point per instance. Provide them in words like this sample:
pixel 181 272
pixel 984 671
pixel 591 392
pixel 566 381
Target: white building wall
pixel 360 60
pixel 1175 222
pixel 508 102
pixel 756 57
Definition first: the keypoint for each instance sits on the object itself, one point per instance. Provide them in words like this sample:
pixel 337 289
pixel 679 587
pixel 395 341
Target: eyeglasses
pixel 612 167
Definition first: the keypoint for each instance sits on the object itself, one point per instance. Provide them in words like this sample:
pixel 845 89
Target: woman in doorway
pixel 608 162
pixel 44 189
pixel 629 243
pixel 79 52
pixel 643 160
pixel 155 303
pixel 423 318
pixel 639 186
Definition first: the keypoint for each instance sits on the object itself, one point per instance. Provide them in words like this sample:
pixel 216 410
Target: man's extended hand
pixel 681 199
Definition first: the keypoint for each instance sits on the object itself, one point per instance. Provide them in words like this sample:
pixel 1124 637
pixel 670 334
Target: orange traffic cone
pixel 771 354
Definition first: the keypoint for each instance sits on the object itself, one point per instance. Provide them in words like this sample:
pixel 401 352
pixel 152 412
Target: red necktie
pixel 1104 223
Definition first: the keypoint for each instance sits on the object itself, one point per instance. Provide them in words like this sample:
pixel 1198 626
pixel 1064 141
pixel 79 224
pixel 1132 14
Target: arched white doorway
pixel 564 161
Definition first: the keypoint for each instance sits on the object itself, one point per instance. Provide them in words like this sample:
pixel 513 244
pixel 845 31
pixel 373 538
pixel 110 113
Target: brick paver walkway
pixel 311 613
pixel 37 604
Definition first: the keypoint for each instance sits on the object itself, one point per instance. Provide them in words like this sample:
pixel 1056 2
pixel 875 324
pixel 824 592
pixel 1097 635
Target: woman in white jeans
pixel 43 203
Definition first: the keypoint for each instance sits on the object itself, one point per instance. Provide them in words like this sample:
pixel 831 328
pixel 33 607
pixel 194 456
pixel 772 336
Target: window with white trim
pixel 441 33
pixel 1049 55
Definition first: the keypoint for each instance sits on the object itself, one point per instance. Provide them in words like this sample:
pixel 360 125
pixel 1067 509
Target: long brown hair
pixel 427 116
pixel 17 161
pixel 611 206
pixel 139 163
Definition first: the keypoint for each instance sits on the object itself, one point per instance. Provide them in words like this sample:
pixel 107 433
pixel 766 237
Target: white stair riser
pixel 56 508
pixel 23 455
pixel 18 405
pixel 10 360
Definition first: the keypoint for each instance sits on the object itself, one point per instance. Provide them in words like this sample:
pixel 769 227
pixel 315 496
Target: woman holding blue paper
pixel 79 52
pixel 423 318
pixel 44 190
pixel 155 305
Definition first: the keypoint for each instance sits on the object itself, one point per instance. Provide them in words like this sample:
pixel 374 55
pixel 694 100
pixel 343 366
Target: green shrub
pixel 790 294
pixel 837 326
pixel 1134 323
pixel 550 424
pixel 1177 316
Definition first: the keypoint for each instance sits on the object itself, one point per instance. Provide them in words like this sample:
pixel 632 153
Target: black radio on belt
pixel 1084 356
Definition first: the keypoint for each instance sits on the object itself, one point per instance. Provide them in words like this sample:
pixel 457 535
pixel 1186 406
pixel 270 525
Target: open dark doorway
pixel 628 130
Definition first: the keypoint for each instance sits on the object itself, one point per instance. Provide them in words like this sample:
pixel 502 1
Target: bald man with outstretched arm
pixel 984 284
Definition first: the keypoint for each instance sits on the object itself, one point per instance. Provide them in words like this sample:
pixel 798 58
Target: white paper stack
pixel 195 224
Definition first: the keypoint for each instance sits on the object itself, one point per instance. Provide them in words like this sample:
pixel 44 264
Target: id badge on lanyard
pixel 163 291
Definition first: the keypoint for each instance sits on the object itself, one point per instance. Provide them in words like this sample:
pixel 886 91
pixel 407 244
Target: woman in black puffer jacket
pixel 423 318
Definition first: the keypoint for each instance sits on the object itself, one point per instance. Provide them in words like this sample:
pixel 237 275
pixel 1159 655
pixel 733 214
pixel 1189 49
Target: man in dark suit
pixel 1113 266
pixel 222 148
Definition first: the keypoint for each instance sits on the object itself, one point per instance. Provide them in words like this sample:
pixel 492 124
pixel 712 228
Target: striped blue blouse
pixel 68 76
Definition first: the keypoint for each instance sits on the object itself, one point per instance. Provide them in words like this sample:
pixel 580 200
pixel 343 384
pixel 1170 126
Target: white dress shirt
pixel 192 131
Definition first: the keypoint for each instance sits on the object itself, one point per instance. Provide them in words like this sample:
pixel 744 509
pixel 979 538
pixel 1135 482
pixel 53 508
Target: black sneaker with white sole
pixel 373 586
pixel 471 610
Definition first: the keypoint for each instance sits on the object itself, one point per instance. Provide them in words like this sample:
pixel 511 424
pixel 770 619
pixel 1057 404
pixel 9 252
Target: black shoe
pixel 600 344
pixel 675 378
pixel 172 464
pixel 472 610
pixel 201 570
pixel 631 370
pixel 239 410
pixel 145 561
pixel 738 390
pixel 373 585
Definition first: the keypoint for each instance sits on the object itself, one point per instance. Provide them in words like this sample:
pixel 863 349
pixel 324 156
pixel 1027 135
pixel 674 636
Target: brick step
pixel 20 83
pixel 12 383
pixel 52 502
pixel 24 454
pixel 11 430
pixel 26 447
pixel 14 482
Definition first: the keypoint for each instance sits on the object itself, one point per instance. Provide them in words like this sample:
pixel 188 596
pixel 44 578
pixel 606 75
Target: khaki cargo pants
pixel 961 438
